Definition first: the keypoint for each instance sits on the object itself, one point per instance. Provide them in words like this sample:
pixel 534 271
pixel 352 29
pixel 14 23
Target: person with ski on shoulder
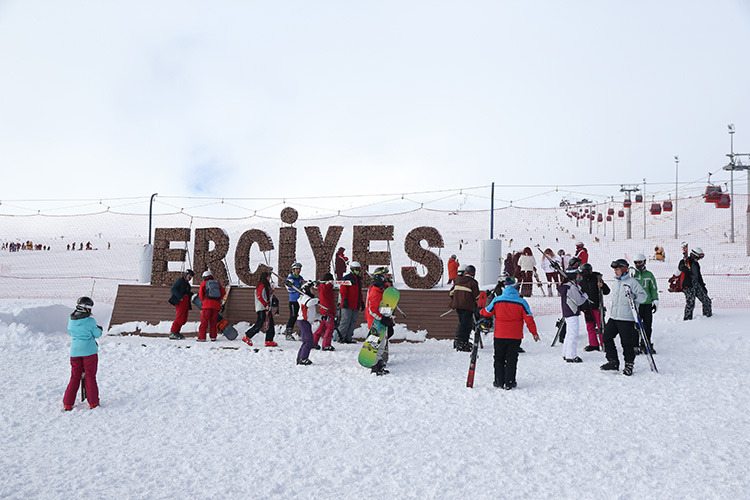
pixel 210 292
pixel 452 268
pixel 180 299
pixel 327 314
pixel 296 279
pixel 571 299
pixel 647 309
pixel 693 285
pixel 340 263
pixel 381 280
pixel 621 320
pixel 582 253
pixel 84 357
pixel 591 282
pixel 264 302
pixel 351 303
pixel 464 294
pixel 308 315
pixel 510 311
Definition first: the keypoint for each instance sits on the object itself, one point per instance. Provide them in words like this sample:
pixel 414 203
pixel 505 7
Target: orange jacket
pixel 452 269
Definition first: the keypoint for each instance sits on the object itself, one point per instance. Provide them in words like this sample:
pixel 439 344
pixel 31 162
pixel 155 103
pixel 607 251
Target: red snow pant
pixel 79 365
pixel 591 327
pixel 209 319
pixel 325 330
pixel 182 308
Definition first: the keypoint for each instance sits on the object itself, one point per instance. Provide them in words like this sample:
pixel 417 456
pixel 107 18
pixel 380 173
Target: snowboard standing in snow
pixel 560 334
pixel 641 331
pixel 376 342
pixel 228 330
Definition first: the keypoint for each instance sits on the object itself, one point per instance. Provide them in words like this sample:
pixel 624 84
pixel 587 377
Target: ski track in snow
pixel 183 419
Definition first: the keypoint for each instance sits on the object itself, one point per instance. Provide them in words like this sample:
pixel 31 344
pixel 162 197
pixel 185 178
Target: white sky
pixel 298 98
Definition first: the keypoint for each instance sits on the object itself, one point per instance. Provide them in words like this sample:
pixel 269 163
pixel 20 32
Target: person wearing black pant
pixel 464 295
pixel 693 284
pixel 621 320
pixel 648 308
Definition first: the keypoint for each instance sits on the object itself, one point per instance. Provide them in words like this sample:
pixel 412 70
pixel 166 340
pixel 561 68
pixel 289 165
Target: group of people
pixel 523 267
pixel 15 247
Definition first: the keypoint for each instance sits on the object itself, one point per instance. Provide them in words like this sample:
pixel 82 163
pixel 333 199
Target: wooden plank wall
pixel 149 304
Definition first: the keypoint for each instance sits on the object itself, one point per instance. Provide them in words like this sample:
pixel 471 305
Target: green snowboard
pixel 376 338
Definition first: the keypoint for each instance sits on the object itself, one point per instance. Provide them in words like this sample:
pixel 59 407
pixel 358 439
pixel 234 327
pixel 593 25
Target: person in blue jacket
pixel 297 280
pixel 83 353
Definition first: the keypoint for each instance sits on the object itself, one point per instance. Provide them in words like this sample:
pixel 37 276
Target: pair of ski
pixel 481 326
pixel 641 331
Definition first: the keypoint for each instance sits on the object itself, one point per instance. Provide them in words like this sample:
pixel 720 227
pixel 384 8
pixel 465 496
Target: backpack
pixel 675 282
pixel 214 289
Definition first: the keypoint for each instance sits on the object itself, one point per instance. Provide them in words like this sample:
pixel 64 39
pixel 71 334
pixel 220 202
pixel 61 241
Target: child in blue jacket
pixel 83 353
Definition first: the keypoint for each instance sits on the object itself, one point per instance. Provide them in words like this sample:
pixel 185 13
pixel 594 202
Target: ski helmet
pixel 189 272
pixel 639 261
pixel 697 253
pixel 571 273
pixel 574 263
pixel 619 263
pixel 354 265
pixel 206 274
pixel 84 303
pixel 587 269
pixel 296 265
pixel 579 244
pixel 461 269
pixel 470 270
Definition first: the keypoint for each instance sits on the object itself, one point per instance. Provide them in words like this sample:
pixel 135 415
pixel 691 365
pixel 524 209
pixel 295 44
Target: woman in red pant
pixel 83 353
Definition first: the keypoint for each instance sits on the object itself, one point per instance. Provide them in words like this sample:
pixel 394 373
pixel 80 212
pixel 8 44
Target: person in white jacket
pixel 621 319
pixel 527 264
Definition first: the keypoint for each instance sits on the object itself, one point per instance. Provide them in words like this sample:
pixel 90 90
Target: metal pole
pixel 644 209
pixel 731 177
pixel 676 178
pixel 492 211
pixel 150 213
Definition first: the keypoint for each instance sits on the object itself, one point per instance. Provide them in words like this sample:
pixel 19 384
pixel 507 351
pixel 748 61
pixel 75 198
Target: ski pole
pixel 447 312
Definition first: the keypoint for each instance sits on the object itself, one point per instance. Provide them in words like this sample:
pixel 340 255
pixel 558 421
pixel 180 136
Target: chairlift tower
pixel 628 190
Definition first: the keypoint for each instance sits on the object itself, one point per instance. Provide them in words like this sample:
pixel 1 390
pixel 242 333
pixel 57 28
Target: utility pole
pixel 676 177
pixel 628 190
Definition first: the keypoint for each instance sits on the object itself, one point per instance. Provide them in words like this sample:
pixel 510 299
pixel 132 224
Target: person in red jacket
pixel 380 281
pixel 351 304
pixel 452 268
pixel 510 311
pixel 327 313
pixel 264 300
pixel 581 253
pixel 210 293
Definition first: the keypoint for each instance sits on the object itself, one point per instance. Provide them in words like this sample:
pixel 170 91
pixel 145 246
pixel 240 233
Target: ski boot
pixel 574 360
pixel 329 348
pixel 462 346
pixel 316 347
pixel 176 336
pixel 628 370
pixel 247 340
pixel 510 385
pixel 590 348
pixel 304 362
pixel 610 365
pixel 271 343
pixel 498 385
pixel 289 335
pixel 379 369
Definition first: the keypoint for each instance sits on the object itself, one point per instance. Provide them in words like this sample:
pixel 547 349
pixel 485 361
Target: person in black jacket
pixel 590 283
pixel 693 285
pixel 464 295
pixel 180 299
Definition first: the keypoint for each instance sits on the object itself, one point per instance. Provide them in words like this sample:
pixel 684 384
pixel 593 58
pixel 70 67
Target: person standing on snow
pixel 351 303
pixel 309 314
pixel 84 358
pixel 327 313
pixel 647 309
pixel 572 299
pixel 549 272
pixel 621 320
pixel 693 285
pixel 380 281
pixel 582 253
pixel 210 293
pixel 264 301
pixel 527 266
pixel 464 294
pixel 340 263
pixel 452 268
pixel 510 311
pixel 296 279
pixel 590 284
pixel 180 299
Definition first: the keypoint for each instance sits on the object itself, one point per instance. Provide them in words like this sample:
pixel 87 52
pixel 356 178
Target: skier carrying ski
pixel 621 320
pixel 380 281
pixel 571 299
pixel 647 309
pixel 210 293
pixel 180 299
pixel 264 300
pixel 693 285
pixel 309 314
pixel 351 303
pixel 327 314
pixel 297 280
pixel 464 294
pixel 84 358
pixel 510 311
pixel 549 272
pixel 591 282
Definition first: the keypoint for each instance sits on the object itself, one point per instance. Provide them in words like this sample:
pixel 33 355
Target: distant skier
pixel 582 253
pixel 84 358
pixel 380 281
pixel 590 284
pixel 510 311
pixel 297 280
pixel 693 285
pixel 308 315
pixel 340 263
pixel 210 293
pixel 351 303
pixel 327 313
pixel 180 299
pixel 647 309
pixel 452 268
pixel 621 320
pixel 464 294
pixel 264 300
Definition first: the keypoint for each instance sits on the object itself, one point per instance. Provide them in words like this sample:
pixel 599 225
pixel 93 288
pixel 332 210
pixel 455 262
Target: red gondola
pixel 621 213
pixel 609 218
pixel 667 205
pixel 713 194
pixel 611 211
pixel 724 201
pixel 638 198
pixel 599 218
pixel 627 203
pixel 655 209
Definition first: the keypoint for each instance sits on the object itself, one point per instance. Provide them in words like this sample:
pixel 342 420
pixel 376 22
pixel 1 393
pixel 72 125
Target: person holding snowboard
pixel 510 311
pixel 264 300
pixel 464 294
pixel 647 309
pixel 309 314
pixel 351 303
pixel 591 282
pixel 327 313
pixel 621 320
pixel 296 279
pixel 380 281
pixel 210 292
pixel 180 299
pixel 84 358
pixel 693 285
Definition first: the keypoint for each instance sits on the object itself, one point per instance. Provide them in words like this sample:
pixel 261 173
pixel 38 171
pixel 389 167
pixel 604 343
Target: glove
pixel 345 303
pixel 588 316
pixel 654 306
pixel 274 302
pixel 386 321
pixel 362 306
pixel 324 318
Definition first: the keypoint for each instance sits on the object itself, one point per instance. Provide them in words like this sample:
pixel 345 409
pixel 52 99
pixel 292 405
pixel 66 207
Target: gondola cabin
pixel 713 194
pixel 609 218
pixel 724 201
pixel 621 213
pixel 599 218
pixel 611 211
pixel 667 205
pixel 627 203
pixel 638 198
pixel 655 208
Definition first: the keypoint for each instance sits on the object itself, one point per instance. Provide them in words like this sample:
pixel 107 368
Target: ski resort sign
pixel 323 248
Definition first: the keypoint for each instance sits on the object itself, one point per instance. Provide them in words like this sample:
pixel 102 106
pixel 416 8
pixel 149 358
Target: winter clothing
pixel 309 314
pixel 209 311
pixel 79 366
pixel 327 312
pixel 464 295
pixel 645 310
pixel 263 297
pixel 590 286
pixel 571 299
pixel 620 309
pixel 180 298
pixel 340 264
pixel 621 320
pixel 526 265
pixel 83 329
pixel 582 254
pixel 351 304
pixel 297 280
pixel 452 269
pixel 693 286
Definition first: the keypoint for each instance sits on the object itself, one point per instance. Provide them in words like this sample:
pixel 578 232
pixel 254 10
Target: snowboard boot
pixel 462 346
pixel 590 348
pixel 304 362
pixel 610 365
pixel 247 340
pixel 379 369
pixel 329 348
pixel 510 385
pixel 176 336
pixel 289 334
pixel 574 360
pixel 316 347
pixel 628 370
pixel 498 385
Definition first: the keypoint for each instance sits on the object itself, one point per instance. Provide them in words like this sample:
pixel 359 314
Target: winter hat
pixel 511 281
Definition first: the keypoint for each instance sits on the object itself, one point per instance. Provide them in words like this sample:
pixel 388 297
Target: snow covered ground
pixel 220 420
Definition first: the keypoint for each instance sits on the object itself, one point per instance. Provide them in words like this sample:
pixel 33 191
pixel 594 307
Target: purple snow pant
pixel 78 366
pixel 305 328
